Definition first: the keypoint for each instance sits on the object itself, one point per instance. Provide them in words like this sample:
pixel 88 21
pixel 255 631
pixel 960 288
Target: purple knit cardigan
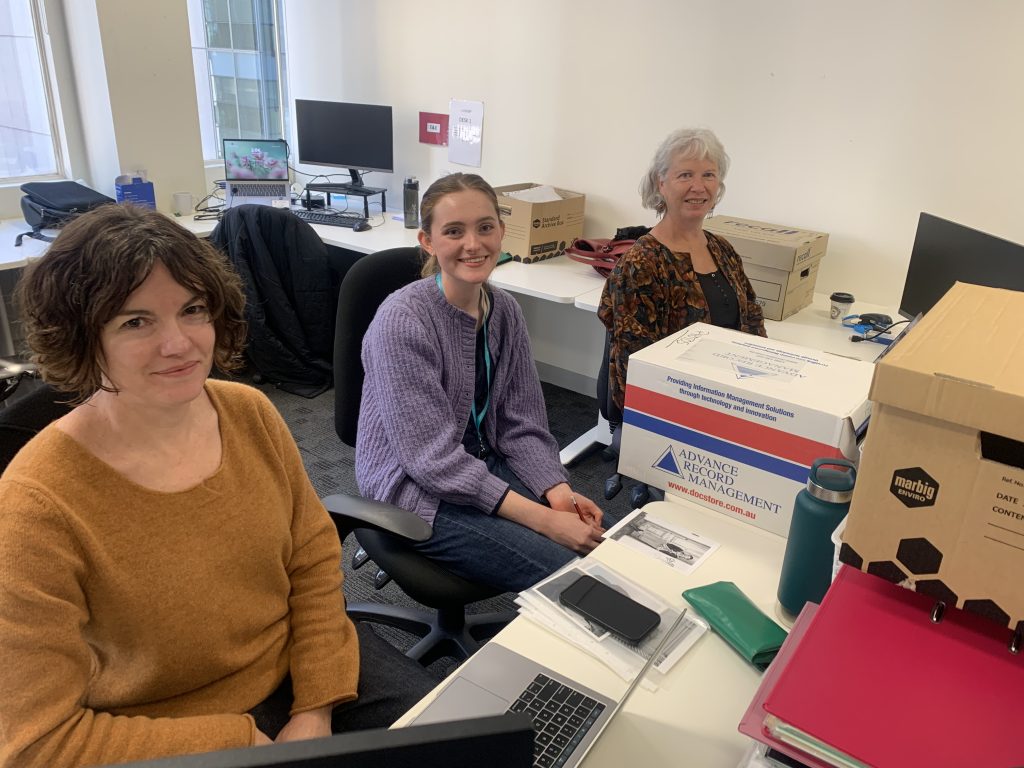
pixel 419 358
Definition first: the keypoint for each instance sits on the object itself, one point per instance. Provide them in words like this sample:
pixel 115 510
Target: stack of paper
pixel 540 604
pixel 543 193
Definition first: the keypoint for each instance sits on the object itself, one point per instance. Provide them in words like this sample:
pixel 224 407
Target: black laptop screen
pixel 505 741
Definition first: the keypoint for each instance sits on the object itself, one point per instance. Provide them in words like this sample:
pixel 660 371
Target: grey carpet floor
pixel 331 467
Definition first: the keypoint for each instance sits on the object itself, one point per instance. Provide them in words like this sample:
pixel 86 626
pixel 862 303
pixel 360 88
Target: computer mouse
pixel 362 226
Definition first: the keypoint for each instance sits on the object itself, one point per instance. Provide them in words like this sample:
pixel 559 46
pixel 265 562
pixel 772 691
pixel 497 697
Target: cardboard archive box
pixel 535 231
pixel 939 500
pixel 781 262
pixel 734 421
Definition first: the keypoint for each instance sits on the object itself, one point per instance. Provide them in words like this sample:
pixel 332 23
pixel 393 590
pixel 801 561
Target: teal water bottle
pixel 817 512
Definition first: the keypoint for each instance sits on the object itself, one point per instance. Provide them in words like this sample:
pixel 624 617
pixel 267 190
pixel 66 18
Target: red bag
pixel 600 253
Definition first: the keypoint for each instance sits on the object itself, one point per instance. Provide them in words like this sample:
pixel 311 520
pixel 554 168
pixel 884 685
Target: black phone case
pixel 634 632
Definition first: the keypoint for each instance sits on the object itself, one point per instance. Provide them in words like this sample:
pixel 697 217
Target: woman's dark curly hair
pixel 86 276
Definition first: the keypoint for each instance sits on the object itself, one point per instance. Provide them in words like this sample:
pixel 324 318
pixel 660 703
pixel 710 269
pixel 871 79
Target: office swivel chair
pixel 26 415
pixel 289 299
pixel 385 531
pixel 640 493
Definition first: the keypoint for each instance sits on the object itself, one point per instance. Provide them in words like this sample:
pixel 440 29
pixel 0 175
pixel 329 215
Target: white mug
pixel 182 203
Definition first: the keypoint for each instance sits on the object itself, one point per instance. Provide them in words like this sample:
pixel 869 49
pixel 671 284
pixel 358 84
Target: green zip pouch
pixel 740 623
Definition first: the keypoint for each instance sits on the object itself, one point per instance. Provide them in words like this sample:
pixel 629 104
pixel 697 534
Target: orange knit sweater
pixel 137 624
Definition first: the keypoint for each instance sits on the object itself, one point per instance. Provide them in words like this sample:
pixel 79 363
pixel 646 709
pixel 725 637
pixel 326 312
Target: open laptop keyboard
pixel 243 189
pixel 561 718
pixel 331 219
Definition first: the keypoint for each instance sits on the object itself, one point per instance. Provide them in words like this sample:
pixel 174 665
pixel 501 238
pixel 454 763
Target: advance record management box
pixel 734 421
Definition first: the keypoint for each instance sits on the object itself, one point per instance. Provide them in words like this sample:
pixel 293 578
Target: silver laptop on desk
pixel 256 172
pixel 571 717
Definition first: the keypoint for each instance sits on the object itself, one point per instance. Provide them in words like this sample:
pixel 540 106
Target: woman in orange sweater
pixel 169 581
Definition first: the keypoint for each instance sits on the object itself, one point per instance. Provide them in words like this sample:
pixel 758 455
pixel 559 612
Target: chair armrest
pixel 352 512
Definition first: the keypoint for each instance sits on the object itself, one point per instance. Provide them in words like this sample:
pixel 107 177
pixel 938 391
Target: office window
pixel 239 59
pixel 30 140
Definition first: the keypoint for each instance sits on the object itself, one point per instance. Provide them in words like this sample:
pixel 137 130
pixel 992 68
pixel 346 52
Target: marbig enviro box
pixel 939 500
pixel 535 231
pixel 781 261
pixel 734 421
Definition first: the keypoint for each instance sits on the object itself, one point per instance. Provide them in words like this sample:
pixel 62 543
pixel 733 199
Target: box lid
pixel 770 245
pixel 769 371
pixel 962 363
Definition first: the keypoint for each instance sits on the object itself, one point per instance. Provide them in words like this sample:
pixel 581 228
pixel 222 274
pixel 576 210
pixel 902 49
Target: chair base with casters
pixel 446 630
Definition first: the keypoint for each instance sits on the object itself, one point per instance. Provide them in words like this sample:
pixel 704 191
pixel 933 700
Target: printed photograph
pixel 678 548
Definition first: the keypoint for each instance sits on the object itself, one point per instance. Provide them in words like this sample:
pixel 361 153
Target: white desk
pixel 560 279
pixel 386 233
pixel 566 344
pixel 812 327
pixel 591 300
pixel 14 257
pixel 691 719
pixel 566 347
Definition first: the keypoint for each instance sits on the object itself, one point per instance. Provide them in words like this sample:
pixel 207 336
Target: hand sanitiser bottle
pixel 411 200
pixel 818 510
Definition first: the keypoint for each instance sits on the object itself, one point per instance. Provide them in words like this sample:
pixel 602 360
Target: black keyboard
pixel 561 718
pixel 330 219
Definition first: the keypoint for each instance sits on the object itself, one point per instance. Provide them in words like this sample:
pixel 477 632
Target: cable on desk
pixel 878 332
pixel 380 211
pixel 210 212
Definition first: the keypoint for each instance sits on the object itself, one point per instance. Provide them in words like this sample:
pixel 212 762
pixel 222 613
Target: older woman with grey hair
pixel 677 273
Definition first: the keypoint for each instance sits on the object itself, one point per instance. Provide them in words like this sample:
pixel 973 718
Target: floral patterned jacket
pixel 654 292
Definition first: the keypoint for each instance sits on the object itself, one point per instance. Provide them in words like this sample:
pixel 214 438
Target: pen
pixel 577 508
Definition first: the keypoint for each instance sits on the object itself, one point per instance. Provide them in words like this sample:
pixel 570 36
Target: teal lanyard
pixel 478 418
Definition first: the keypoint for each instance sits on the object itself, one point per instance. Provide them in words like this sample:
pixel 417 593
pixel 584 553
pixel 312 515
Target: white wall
pixel 845 117
pixel 134 75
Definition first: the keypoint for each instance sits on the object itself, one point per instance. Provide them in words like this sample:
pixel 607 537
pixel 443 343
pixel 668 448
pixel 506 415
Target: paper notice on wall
pixel 465 132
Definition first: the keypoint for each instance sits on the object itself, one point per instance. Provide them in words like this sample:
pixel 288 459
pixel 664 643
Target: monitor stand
pixel 354 190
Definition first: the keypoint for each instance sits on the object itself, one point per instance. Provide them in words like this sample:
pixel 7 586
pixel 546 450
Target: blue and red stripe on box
pixel 741 441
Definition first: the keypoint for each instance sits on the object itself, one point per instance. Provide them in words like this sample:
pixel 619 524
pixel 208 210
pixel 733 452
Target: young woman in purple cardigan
pixel 453 425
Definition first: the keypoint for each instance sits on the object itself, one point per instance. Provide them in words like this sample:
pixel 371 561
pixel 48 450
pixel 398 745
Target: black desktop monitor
pixel 353 136
pixel 945 252
pixel 504 741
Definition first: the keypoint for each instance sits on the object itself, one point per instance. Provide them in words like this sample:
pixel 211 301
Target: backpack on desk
pixel 50 204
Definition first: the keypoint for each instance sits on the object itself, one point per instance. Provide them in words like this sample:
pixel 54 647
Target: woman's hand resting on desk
pixel 562 526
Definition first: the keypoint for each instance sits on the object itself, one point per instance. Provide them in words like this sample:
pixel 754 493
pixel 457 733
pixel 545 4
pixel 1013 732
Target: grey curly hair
pixel 689 142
